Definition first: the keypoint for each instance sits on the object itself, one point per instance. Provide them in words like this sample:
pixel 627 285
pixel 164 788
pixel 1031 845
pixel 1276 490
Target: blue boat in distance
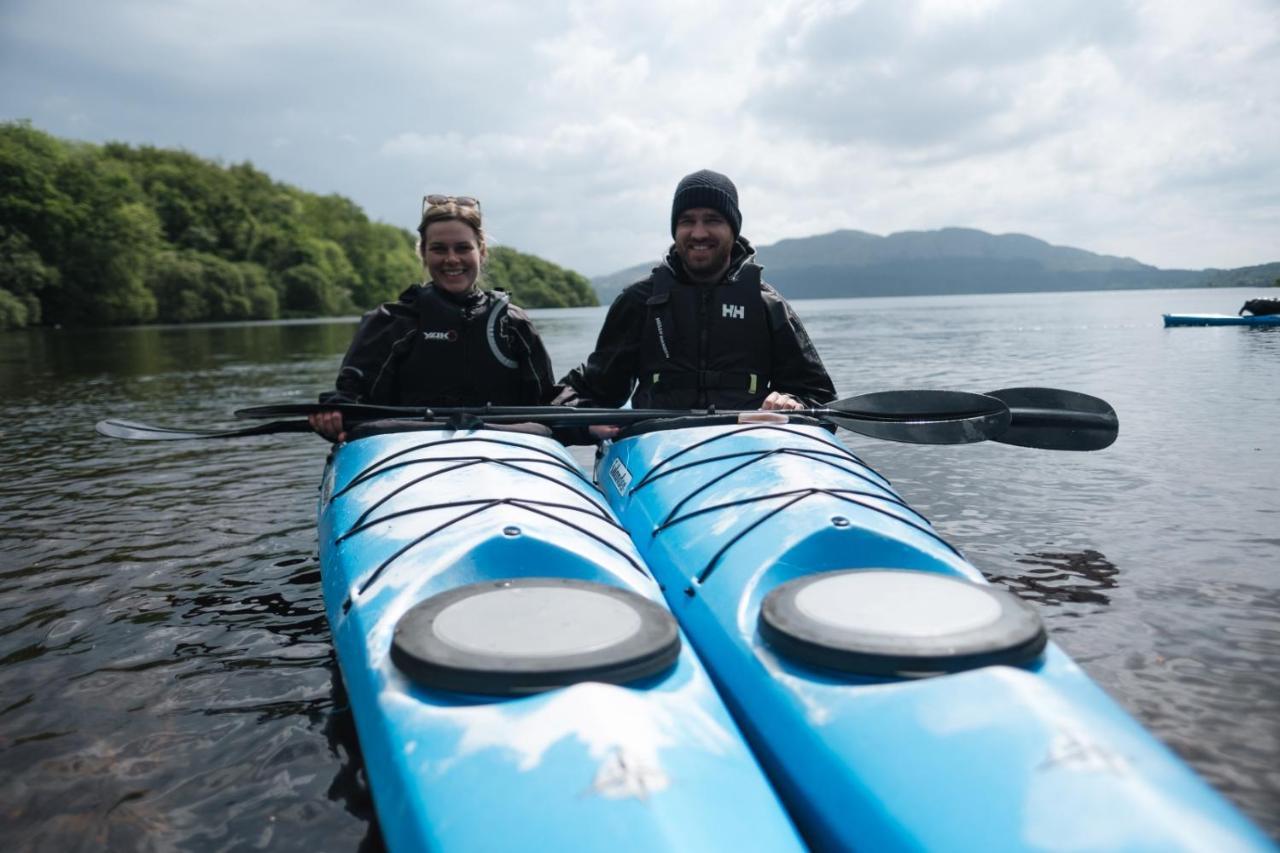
pixel 1221 320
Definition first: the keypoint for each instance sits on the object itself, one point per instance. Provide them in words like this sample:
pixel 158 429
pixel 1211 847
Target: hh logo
pixel 449 336
pixel 734 312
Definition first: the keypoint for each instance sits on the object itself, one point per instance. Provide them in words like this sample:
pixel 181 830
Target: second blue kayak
pixel 896 700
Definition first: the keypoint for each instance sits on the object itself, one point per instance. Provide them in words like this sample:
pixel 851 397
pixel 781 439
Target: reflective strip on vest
pixel 490 333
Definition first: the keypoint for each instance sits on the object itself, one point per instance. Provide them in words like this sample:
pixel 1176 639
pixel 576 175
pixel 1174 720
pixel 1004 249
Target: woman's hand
pixel 778 400
pixel 328 424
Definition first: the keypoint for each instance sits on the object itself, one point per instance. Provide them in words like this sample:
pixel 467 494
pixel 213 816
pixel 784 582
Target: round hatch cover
pixel 525 635
pixel 899 622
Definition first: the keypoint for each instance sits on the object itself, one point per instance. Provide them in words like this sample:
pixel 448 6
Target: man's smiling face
pixel 704 242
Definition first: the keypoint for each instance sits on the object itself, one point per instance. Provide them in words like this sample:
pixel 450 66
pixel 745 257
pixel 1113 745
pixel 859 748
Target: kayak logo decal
pixel 1075 752
pixel 448 337
pixel 733 312
pixel 628 775
pixel 620 477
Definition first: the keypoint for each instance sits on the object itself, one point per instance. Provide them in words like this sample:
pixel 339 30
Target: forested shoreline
pixel 114 234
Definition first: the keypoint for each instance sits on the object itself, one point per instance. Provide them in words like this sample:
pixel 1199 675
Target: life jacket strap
pixel 727 380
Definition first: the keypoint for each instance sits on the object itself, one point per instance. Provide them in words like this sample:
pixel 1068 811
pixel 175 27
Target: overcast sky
pixel 1144 129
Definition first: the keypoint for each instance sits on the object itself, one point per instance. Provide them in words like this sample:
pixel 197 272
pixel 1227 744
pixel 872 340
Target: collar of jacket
pixel 474 297
pixel 742 254
pixel 471 303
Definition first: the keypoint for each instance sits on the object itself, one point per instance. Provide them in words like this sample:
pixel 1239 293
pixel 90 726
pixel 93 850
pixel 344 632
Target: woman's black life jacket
pixel 462 355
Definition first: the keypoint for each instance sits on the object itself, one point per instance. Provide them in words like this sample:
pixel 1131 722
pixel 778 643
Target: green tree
pixel 104 254
pixel 120 234
pixel 308 291
pixel 191 286
pixel 24 276
pixel 536 283
pixel 13 312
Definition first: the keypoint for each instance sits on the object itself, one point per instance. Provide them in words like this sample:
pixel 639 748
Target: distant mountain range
pixel 952 260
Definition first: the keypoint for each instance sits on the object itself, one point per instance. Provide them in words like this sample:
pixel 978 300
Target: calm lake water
pixel 166 678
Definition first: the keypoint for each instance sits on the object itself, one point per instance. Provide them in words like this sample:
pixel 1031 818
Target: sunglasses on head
pixel 459 200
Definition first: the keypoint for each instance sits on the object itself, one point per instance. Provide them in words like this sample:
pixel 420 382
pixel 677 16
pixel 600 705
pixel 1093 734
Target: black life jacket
pixel 705 345
pixel 461 355
pixel 1261 307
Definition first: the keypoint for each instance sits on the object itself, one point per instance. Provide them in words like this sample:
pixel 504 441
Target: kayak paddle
pixel 134 431
pixel 1043 418
pixel 1052 419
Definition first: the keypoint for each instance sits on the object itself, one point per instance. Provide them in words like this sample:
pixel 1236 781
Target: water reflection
pixel 1056 578
pixel 153 350
pixel 350 785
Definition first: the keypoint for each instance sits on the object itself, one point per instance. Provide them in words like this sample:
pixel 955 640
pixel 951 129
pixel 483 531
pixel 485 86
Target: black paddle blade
pixel 919 405
pixel 134 431
pixel 965 430
pixel 1052 419
pixel 921 417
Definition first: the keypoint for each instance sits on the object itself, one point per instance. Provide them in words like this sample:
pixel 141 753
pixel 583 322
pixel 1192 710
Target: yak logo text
pixel 449 336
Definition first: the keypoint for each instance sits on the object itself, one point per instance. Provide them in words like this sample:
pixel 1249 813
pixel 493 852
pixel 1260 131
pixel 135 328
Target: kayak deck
pixel 655 764
pixel 992 758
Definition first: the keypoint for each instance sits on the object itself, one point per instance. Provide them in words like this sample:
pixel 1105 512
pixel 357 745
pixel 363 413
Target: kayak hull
pixel 654 764
pixel 995 758
pixel 1220 320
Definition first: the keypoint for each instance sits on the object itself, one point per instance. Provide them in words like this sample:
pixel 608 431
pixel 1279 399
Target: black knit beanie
pixel 707 189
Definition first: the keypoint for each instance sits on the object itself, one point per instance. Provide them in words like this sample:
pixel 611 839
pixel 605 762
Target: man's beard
pixel 715 263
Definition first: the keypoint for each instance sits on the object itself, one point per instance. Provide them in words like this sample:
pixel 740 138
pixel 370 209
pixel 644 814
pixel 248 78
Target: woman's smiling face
pixel 452 255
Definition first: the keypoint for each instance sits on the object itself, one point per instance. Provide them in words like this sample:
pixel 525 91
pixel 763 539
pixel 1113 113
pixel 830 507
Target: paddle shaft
pixel 882 406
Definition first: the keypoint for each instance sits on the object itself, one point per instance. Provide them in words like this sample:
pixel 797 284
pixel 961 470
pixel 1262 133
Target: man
pixel 703 329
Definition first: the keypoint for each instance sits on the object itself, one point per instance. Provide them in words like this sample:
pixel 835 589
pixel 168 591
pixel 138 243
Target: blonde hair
pixel 466 214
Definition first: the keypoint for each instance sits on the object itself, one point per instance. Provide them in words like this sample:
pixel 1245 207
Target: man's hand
pixel 778 400
pixel 568 396
pixel 328 424
pixel 527 427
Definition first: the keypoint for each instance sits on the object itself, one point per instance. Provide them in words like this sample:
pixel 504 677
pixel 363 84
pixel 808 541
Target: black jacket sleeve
pixel 368 372
pixel 797 367
pixel 608 376
pixel 535 362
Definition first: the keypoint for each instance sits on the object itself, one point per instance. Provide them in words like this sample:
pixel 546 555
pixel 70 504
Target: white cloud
pixel 1142 128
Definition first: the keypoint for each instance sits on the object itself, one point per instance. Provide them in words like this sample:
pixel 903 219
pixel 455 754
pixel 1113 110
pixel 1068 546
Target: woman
pixel 446 342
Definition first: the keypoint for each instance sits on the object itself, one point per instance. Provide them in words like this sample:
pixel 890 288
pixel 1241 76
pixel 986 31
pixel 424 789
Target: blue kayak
pixel 896 700
pixel 516 679
pixel 1221 320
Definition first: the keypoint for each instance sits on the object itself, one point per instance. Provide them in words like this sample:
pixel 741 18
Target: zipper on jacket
pixel 704 337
